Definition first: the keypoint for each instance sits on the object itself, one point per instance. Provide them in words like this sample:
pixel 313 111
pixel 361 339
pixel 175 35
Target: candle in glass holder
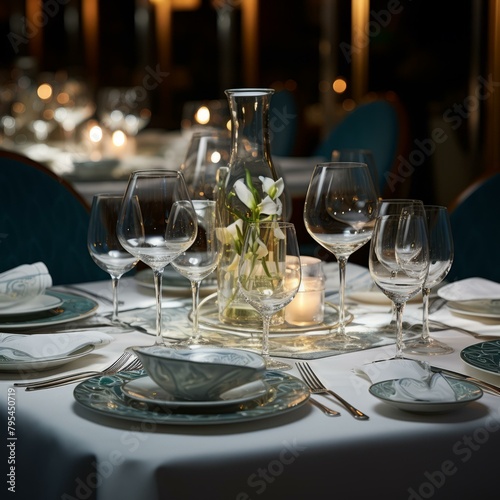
pixel 308 306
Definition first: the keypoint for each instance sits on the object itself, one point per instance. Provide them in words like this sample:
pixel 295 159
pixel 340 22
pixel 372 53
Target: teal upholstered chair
pixel 378 126
pixel 475 224
pixel 42 218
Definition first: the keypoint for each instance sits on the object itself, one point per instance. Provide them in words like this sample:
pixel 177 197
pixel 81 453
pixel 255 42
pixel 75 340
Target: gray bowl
pixel 201 373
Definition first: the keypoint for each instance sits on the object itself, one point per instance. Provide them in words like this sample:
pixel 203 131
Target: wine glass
pixel 399 261
pixel 207 152
pixel 104 246
pixel 398 206
pixel 358 156
pixel 157 222
pixel 200 260
pixel 269 274
pixel 126 108
pixel 441 259
pixel 339 213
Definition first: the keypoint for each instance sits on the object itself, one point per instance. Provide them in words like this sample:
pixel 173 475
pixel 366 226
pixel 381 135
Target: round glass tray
pixel 209 319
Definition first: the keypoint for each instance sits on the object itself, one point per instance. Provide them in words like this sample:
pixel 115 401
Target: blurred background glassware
pixel 208 151
pixel 441 258
pixel 157 222
pixel 199 115
pixel 124 108
pixel 359 156
pixel 200 260
pixel 104 246
pixel 72 105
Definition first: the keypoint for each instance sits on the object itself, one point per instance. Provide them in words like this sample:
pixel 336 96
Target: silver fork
pixel 327 411
pixel 317 387
pixel 127 361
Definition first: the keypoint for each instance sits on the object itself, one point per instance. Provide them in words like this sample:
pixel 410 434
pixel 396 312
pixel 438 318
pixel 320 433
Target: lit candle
pixel 308 306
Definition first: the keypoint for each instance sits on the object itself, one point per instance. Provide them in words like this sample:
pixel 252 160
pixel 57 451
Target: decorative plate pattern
pixel 485 356
pixel 465 393
pixel 73 307
pixel 105 396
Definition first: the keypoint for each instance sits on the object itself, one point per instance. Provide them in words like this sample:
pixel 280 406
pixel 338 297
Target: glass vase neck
pixel 249 110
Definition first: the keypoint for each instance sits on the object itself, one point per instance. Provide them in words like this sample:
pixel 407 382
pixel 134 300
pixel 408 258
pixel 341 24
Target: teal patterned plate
pixel 73 307
pixel 104 395
pixel 485 356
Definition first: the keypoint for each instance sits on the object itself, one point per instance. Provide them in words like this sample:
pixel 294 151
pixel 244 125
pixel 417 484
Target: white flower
pixel 269 207
pixel 244 194
pixel 273 188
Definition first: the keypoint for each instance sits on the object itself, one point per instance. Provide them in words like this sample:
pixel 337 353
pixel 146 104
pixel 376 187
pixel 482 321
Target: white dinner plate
pixel 484 356
pixel 174 282
pixel 105 396
pixel 145 390
pixel 478 308
pixel 36 304
pixel 29 364
pixel 465 392
pixel 72 308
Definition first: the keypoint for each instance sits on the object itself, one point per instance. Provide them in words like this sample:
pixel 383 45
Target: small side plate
pixel 466 392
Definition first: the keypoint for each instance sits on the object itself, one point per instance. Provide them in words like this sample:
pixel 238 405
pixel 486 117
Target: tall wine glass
pixel 399 261
pixel 339 213
pixel 200 260
pixel 103 244
pixel 441 259
pixel 269 274
pixel 157 222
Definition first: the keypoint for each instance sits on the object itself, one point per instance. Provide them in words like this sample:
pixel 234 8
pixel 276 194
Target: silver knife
pixel 492 389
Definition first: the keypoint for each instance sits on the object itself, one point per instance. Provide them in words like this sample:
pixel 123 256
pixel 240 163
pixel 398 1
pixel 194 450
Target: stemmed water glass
pixel 441 259
pixel 157 222
pixel 104 246
pixel 399 261
pixel 200 260
pixel 207 152
pixel 339 213
pixel 269 274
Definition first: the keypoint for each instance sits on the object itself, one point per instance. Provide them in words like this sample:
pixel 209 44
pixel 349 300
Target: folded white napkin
pixel 23 283
pixel 470 289
pixel 413 380
pixel 45 346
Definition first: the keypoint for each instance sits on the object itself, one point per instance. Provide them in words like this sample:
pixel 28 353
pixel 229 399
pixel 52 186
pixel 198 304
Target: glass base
pixel 275 364
pixel 427 346
pixel 197 341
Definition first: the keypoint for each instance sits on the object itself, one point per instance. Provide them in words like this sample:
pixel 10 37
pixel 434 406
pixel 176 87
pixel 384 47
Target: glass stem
pixel 400 306
pixel 158 291
pixel 425 313
pixel 195 290
pixel 266 323
pixel 114 286
pixel 342 266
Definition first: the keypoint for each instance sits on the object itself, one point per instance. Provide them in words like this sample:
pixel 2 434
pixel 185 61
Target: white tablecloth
pixel 64 451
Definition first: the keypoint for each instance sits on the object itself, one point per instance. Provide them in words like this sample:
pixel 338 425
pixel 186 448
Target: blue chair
pixel 378 126
pixel 283 123
pixel 475 225
pixel 42 218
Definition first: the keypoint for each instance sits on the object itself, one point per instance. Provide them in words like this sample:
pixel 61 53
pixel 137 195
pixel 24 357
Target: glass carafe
pixel 251 192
